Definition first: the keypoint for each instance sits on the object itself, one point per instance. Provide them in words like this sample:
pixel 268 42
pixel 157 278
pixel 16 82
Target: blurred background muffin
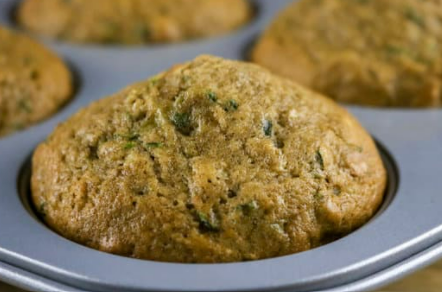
pixel 132 21
pixel 34 82
pixel 366 52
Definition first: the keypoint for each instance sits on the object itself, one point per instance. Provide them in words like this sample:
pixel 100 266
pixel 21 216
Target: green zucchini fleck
pixel 212 96
pixel 183 123
pixel 142 32
pixel 267 127
pixel 248 207
pixel 154 145
pixel 42 209
pixel 413 16
pixel 318 195
pixel 394 50
pixel 231 105
pixel 129 145
pixel 319 159
pixel 205 224
pixel 24 105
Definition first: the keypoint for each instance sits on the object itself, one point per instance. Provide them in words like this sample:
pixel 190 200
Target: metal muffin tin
pixel 406 234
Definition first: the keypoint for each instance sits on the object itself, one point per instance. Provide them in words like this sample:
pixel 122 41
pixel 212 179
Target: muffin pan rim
pixel 25 280
pixel 25 170
pixel 47 251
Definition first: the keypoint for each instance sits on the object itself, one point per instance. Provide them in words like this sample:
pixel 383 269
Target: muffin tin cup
pixel 404 235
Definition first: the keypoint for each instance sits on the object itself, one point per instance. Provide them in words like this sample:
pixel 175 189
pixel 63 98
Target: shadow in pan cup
pixel 13 13
pixel 24 184
pixel 393 178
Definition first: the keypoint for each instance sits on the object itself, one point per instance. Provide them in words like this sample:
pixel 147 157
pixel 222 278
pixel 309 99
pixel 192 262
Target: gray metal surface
pixel 402 237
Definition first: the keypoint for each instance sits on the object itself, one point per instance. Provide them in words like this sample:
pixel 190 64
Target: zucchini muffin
pixel 34 82
pixel 211 161
pixel 132 21
pixel 367 52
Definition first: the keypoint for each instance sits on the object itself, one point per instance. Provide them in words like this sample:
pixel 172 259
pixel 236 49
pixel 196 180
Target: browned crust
pixel 34 82
pixel 211 161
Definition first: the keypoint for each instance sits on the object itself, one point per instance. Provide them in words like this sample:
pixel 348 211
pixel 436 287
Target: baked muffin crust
pixel 34 82
pixel 132 21
pixel 211 161
pixel 369 52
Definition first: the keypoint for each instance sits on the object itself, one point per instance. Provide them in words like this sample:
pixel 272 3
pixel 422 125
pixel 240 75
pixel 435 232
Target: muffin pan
pixel 404 235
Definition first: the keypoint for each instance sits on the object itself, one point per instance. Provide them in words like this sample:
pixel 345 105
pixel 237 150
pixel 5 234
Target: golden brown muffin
pixel 34 82
pixel 211 161
pixel 132 21
pixel 366 52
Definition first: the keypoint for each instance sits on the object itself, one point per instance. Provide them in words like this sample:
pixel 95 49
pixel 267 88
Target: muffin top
pixel 367 52
pixel 211 161
pixel 132 21
pixel 34 82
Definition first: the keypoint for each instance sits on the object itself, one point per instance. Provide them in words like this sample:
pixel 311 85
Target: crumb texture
pixel 211 161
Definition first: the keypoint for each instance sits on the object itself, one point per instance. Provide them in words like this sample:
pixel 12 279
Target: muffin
pixel 366 52
pixel 211 161
pixel 132 21
pixel 34 82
